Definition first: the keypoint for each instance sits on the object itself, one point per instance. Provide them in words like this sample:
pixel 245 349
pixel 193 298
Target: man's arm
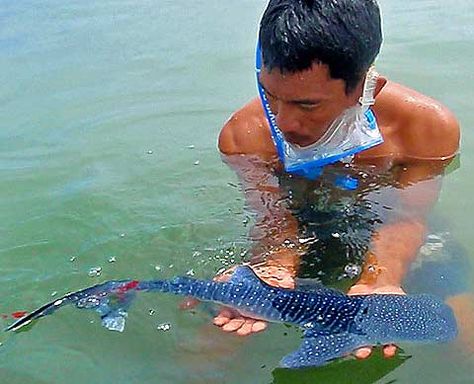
pixel 422 137
pixel 397 242
pixel 248 149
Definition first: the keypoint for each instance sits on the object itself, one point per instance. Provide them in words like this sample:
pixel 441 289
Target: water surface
pixel 110 115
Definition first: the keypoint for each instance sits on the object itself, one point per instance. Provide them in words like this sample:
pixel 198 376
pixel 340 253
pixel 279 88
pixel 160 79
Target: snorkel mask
pixel 353 131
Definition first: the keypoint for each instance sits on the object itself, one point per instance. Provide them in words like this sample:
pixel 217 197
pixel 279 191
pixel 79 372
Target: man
pixel 337 161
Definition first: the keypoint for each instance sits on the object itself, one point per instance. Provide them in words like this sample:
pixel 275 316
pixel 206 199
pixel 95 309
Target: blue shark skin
pixel 334 324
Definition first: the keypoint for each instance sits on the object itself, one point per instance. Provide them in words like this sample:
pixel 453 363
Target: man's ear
pixel 381 81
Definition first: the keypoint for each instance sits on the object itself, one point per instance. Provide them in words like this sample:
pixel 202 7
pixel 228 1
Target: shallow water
pixel 110 114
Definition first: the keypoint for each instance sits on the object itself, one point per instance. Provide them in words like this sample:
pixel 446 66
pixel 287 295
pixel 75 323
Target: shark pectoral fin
pixel 111 301
pixel 318 350
pixel 245 274
pixel 115 319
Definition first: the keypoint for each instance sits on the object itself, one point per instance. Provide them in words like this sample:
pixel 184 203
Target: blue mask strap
pixel 276 133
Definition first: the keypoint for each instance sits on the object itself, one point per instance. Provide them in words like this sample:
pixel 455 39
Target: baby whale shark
pixel 333 323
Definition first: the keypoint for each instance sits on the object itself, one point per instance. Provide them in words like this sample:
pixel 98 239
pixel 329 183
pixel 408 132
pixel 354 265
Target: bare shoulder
pixel 247 132
pixel 425 128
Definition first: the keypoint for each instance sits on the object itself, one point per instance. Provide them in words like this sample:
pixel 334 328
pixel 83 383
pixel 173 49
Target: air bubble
pixel 95 271
pixel 164 327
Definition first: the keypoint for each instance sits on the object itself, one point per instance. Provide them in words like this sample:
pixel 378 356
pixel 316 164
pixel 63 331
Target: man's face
pixel 307 102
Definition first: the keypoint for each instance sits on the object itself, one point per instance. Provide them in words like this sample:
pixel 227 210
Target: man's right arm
pixel 247 147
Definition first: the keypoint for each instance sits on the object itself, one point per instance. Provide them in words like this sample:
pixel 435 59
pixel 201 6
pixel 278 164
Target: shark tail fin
pixel 110 299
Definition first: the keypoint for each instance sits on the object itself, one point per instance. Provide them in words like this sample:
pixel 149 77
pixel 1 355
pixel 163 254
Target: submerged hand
pixel 389 350
pixel 230 320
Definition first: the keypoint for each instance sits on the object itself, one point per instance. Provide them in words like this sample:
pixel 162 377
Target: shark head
pixel 418 318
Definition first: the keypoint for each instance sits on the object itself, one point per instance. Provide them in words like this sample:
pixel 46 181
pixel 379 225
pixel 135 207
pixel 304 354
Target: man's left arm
pixel 396 243
pixel 427 130
pixel 427 141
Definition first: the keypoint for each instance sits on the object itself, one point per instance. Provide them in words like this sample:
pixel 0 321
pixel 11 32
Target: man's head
pixel 316 54
pixel 343 34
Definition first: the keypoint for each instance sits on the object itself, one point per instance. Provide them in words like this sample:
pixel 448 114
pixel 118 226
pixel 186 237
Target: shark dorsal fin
pixel 245 274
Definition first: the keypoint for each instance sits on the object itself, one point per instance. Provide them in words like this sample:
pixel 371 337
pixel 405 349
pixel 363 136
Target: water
pixel 110 115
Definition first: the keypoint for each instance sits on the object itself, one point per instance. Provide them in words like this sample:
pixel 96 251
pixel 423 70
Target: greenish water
pixel 110 115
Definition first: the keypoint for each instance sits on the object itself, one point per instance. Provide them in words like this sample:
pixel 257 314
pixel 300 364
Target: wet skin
pixel 304 112
pixel 420 135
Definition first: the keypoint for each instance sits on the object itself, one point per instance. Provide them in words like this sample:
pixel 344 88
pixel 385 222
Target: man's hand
pixel 365 289
pixel 230 320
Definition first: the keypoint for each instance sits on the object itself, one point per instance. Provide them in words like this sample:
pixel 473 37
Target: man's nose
pixel 287 118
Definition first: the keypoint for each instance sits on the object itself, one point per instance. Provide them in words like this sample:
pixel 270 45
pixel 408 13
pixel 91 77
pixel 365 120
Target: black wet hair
pixel 346 35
